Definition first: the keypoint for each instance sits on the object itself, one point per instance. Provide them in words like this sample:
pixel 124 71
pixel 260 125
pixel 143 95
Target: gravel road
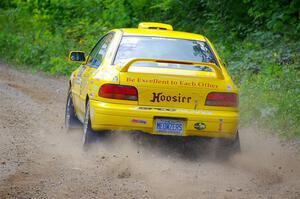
pixel 39 159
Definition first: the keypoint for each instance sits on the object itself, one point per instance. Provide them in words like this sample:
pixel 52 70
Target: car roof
pixel 162 33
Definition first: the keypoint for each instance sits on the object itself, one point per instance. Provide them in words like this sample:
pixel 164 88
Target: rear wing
pixel 214 67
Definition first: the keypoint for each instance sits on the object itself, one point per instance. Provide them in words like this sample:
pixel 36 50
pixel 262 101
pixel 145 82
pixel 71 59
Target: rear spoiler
pixel 214 67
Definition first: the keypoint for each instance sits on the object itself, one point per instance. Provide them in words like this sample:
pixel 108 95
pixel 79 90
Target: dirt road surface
pixel 39 159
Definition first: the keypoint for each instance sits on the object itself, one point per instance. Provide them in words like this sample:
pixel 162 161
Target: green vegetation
pixel 259 41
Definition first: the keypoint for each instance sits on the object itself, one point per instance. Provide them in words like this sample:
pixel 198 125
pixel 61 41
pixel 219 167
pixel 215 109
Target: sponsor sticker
pixel 160 97
pixel 156 81
pixel 138 121
pixel 199 126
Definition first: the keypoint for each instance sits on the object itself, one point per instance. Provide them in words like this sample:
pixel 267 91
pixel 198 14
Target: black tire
pixel 235 146
pixel 232 146
pixel 89 136
pixel 225 148
pixel 71 121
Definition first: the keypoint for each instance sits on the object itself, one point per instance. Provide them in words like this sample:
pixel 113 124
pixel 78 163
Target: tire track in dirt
pixel 40 160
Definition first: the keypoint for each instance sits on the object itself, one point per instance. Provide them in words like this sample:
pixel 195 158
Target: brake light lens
pixel 222 99
pixel 119 92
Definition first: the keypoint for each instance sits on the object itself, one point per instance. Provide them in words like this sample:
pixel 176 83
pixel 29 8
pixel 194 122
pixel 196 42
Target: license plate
pixel 169 126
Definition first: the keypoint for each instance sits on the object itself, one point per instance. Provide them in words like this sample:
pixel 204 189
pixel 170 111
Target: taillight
pixel 221 99
pixel 114 91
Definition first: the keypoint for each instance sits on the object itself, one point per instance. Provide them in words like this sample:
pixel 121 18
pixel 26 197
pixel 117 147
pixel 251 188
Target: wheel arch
pixel 70 86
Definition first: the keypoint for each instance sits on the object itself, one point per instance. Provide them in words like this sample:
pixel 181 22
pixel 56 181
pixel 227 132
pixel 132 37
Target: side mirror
pixel 77 56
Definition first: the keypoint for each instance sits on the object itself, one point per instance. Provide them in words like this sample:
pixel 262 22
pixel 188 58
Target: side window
pixel 99 51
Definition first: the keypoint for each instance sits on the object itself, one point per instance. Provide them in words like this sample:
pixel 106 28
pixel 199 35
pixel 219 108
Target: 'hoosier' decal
pixel 160 97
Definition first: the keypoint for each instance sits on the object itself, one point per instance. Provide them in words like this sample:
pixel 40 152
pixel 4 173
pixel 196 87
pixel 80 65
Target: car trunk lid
pixel 183 85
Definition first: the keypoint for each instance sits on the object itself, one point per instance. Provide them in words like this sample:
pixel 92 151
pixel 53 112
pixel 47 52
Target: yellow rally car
pixel 155 80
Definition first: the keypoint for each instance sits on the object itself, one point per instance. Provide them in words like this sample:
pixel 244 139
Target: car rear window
pixel 164 48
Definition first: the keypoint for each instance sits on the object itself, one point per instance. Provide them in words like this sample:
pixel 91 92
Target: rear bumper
pixel 108 116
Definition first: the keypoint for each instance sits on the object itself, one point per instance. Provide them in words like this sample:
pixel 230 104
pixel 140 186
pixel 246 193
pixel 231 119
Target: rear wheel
pixel 235 145
pixel 71 121
pixel 229 147
pixel 89 136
